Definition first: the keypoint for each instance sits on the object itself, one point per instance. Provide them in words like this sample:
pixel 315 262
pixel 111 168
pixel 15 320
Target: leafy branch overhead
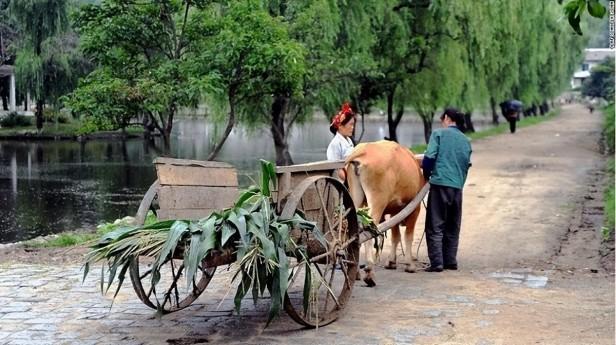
pixel 575 8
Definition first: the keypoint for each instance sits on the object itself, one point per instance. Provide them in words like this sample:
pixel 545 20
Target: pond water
pixel 53 186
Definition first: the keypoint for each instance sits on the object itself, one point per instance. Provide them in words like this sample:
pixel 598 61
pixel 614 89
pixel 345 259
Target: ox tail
pixel 354 181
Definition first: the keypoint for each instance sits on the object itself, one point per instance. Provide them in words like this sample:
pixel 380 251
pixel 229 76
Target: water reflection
pixel 53 186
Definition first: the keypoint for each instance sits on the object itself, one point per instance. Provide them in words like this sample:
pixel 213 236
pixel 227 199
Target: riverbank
pixel 65 131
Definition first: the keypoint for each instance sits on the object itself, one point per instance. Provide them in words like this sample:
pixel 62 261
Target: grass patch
pixel 49 129
pixel 65 239
pixel 68 239
pixel 500 129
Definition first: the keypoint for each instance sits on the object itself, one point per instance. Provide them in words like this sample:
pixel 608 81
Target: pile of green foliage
pixel 251 228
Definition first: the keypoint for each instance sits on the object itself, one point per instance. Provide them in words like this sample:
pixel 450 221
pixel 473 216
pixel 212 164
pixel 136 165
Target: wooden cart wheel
pixel 325 201
pixel 173 292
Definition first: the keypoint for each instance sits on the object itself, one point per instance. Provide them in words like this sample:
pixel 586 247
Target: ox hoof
pixel 369 282
pixel 369 278
pixel 390 265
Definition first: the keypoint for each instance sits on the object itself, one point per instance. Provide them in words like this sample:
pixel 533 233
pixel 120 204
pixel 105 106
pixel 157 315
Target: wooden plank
pixel 313 166
pixel 179 197
pixel 187 213
pixel 286 185
pixel 189 162
pixel 319 166
pixel 196 176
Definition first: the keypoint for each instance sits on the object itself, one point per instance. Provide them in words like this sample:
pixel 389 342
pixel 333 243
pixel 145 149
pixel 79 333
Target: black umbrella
pixel 515 105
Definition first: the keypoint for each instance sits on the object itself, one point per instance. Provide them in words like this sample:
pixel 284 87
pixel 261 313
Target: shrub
pixel 14 120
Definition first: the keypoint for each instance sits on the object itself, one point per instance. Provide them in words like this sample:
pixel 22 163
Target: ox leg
pixel 408 241
pixel 376 212
pixel 395 241
pixel 359 197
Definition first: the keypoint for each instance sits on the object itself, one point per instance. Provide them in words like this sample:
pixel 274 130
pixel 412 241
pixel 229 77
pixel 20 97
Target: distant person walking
pixel 511 111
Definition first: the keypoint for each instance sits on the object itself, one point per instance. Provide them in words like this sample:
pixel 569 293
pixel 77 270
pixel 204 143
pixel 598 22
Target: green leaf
pixel 268 174
pixel 112 271
pixel 596 9
pixel 246 195
pixel 227 232
pixel 121 278
pixel 277 297
pixel 307 287
pixel 283 269
pixel 268 246
pixel 86 269
pixel 574 22
pixel 165 224
pixel 116 235
pixel 200 245
pixel 283 232
pixel 242 290
pixel 178 229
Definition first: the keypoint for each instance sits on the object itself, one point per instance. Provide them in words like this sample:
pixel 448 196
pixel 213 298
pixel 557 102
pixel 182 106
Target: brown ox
pixel 387 177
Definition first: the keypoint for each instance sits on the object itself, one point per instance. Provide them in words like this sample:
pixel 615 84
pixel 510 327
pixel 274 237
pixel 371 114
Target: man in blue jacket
pixel 445 165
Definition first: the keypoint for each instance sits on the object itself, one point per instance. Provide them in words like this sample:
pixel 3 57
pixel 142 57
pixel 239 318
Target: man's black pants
pixel 512 125
pixel 444 215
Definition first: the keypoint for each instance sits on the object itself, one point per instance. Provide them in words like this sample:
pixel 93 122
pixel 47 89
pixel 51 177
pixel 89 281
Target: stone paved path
pixel 50 305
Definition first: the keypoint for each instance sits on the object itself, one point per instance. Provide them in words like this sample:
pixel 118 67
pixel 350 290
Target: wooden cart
pixel 188 189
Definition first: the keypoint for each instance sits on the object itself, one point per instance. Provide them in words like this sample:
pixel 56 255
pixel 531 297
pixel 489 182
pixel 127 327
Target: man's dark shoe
pixel 453 267
pixel 434 269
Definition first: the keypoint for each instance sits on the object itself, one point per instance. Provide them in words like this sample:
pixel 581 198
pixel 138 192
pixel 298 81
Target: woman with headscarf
pixel 341 145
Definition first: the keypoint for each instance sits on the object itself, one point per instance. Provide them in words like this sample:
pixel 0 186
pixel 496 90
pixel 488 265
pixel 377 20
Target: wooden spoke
pixel 330 293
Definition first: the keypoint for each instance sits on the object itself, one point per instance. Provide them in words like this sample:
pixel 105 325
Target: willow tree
pixel 39 57
pixel 437 86
pixel 501 63
pixel 564 51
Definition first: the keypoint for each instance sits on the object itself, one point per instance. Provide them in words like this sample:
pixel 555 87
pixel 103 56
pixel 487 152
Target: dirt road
pixel 530 270
pixel 533 203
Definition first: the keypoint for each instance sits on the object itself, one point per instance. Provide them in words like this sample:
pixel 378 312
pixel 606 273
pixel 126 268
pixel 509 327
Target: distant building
pixel 592 57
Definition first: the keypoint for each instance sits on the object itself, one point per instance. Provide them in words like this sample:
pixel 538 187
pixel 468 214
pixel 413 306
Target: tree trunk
pixel 363 127
pixel 391 123
pixel 426 119
pixel 494 112
pixel 544 108
pixel 228 128
pixel 168 127
pixel 279 109
pixel 39 115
